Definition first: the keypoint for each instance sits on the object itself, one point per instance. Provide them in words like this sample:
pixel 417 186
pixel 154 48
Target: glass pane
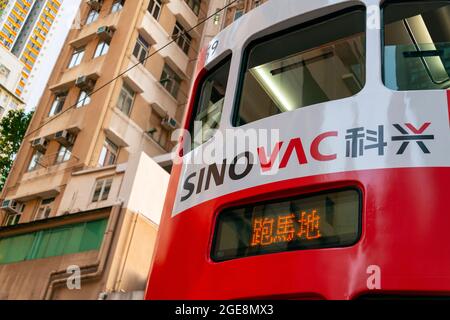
pixel 313 222
pixel 15 249
pixel 417 45
pixel 98 190
pixel 312 65
pixel 93 235
pixel 209 107
pixel 57 240
pixel 53 242
pixel 106 189
pixel 41 247
pixel 73 244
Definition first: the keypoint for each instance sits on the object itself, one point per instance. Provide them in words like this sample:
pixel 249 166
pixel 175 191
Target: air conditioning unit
pixel 65 138
pixel 95 4
pixel 105 33
pixel 169 123
pixel 85 83
pixel 40 144
pixel 9 205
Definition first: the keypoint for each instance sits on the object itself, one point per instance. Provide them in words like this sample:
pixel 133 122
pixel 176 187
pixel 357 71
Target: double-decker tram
pixel 317 164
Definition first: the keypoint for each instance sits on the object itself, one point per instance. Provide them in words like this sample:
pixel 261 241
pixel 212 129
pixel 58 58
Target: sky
pixel 67 18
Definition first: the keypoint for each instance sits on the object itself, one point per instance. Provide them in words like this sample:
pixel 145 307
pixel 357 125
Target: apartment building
pixel 84 191
pixel 10 73
pixel 24 27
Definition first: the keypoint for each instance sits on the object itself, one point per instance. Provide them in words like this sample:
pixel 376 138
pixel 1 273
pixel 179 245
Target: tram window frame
pixel 383 46
pixel 199 96
pixel 247 51
pixel 277 200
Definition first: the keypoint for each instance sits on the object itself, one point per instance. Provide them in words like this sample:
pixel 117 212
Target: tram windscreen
pixel 313 64
pixel 417 45
pixel 313 222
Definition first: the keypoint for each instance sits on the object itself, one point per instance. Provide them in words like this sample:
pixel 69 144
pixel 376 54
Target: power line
pixel 131 68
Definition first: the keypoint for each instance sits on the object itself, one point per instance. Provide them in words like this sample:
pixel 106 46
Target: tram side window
pixel 313 64
pixel 417 45
pixel 209 104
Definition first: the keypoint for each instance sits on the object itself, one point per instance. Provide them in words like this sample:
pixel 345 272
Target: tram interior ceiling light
pixel 417 45
pixel 424 44
pixel 275 76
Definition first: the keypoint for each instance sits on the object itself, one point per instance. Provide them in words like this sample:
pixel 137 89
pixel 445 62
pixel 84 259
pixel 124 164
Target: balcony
pixel 88 32
pixel 140 78
pixel 91 69
pixel 71 120
pixel 39 184
pixel 122 128
pixel 183 13
pixel 152 31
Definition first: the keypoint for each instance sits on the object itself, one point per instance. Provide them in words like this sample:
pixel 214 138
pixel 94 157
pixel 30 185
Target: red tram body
pixel 362 116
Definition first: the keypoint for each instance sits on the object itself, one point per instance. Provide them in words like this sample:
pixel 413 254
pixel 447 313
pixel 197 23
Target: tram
pixel 337 179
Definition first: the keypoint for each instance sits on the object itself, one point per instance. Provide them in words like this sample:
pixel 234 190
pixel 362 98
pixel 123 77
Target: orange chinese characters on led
pixel 309 226
pixel 262 233
pixel 285 228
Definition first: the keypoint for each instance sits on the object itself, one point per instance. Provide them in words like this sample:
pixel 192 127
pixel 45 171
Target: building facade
pixel 10 74
pixel 85 168
pixel 24 27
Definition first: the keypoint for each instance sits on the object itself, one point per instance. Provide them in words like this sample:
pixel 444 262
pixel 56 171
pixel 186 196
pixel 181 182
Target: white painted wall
pixel 145 193
pixel 140 184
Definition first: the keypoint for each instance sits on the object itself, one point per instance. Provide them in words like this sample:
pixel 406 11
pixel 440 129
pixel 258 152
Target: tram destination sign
pixel 318 221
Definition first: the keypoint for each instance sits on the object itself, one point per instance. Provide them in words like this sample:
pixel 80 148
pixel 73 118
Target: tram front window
pixel 208 108
pixel 313 64
pixel 417 45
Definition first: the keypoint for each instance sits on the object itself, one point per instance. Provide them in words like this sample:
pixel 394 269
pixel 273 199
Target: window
pixel 416 45
pixel 102 49
pixel 4 73
pixel 194 5
pixel 35 160
pixel 208 107
pixel 76 58
pixel 45 209
pixel 181 37
pixel 13 219
pixel 117 5
pixel 68 239
pixel 83 99
pixel 154 8
pixel 126 99
pixel 257 3
pixel 102 189
pixel 159 133
pixel 64 154
pixel 311 65
pixel 92 16
pixel 57 104
pixel 108 155
pixel 238 13
pixel 170 80
pixel 141 49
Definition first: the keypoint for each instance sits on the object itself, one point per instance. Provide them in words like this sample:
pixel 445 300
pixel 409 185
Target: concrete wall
pixel 27 280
